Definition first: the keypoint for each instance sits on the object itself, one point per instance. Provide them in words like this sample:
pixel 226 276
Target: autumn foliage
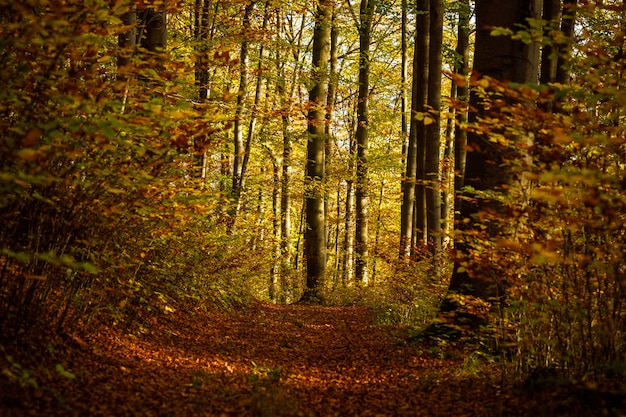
pixel 129 287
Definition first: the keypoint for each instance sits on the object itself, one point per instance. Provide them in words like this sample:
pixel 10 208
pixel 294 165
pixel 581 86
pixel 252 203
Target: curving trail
pixel 265 361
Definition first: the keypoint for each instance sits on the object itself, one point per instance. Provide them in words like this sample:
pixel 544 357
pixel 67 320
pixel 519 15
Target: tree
pixel 432 139
pixel 501 58
pixel 456 133
pixel 239 152
pixel 202 27
pixel 413 211
pixel 315 232
pixel 286 105
pixel 462 92
pixel 568 19
pixel 362 137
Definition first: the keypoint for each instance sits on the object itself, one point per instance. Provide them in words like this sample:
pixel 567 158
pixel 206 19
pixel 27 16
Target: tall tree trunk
pixel 239 144
pixel 315 232
pixel 275 290
pixel 420 116
pixel 348 242
pixel 462 95
pixel 404 124
pixel 433 135
pixel 202 27
pixel 285 196
pixel 202 17
pixel 362 138
pixel 413 206
pixel 549 58
pixel 568 21
pixel 333 82
pixel 501 58
pixel 255 107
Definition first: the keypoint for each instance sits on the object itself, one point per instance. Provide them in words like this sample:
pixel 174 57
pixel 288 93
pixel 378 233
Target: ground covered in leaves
pixel 271 360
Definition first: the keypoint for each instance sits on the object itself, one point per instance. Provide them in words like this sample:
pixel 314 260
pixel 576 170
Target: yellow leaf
pixel 30 154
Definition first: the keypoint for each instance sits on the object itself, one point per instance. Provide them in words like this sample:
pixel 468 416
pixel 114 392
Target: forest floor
pixel 269 360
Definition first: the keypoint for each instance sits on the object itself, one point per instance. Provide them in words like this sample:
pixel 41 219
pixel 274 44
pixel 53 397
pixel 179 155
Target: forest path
pixel 268 360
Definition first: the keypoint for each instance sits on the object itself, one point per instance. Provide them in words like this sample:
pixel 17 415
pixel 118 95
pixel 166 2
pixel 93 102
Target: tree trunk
pixel 202 18
pixel 462 95
pixel 315 232
pixel 404 123
pixel 420 116
pixel 413 194
pixel 255 108
pixel 239 144
pixel 567 28
pixel 433 135
pixel 501 58
pixel 362 138
pixel 286 98
pixel 551 14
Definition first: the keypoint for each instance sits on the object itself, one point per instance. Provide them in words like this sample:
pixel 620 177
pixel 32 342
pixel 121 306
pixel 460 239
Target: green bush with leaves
pixel 98 192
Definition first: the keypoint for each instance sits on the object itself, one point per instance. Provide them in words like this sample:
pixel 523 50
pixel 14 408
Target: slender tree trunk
pixel 421 65
pixel 286 104
pixel 549 58
pixel 202 17
pixel 404 124
pixel 362 139
pixel 275 281
pixel 447 173
pixel 255 107
pixel 462 95
pixel 315 233
pixel 568 21
pixel 413 206
pixel 333 82
pixel 433 135
pixel 239 144
pixel 348 243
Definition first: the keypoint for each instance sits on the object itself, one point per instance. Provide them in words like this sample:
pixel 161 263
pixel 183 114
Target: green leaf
pixel 501 32
pixel 64 372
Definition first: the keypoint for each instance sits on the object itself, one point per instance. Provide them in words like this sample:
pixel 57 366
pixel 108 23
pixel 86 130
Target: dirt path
pixel 270 361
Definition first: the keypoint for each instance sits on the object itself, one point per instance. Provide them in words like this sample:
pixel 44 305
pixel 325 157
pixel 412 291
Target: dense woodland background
pixel 457 165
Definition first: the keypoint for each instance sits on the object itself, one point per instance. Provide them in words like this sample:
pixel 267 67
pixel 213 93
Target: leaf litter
pixel 266 360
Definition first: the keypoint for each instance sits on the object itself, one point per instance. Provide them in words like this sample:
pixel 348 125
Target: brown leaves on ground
pixel 265 361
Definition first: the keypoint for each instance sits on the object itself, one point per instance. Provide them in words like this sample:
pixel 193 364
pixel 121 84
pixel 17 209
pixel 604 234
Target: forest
pixel 313 208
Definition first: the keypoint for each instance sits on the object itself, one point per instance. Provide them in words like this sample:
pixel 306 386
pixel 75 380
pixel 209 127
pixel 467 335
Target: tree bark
pixel 549 58
pixel 404 123
pixel 413 206
pixel 239 144
pixel 362 138
pixel 433 135
pixel 568 21
pixel 202 17
pixel 315 232
pixel 501 58
pixel 462 94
